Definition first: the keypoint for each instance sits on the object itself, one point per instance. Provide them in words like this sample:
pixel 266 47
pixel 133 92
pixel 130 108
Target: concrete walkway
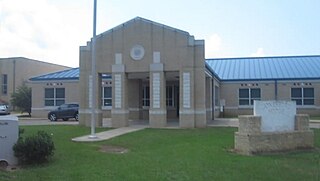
pixel 105 135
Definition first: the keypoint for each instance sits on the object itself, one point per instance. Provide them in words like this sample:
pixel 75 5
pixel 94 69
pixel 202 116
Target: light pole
pixel 93 74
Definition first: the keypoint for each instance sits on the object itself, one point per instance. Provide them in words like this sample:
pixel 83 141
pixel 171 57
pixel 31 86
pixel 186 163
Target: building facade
pixel 149 71
pixel 17 70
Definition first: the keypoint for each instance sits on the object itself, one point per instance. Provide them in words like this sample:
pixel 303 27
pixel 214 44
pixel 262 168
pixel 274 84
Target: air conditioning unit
pixel 9 133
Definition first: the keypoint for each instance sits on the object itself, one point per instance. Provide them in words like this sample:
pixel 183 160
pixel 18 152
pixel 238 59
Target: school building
pixel 150 71
pixel 16 71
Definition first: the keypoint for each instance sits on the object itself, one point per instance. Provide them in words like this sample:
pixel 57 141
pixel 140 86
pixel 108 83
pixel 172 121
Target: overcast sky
pixel 53 30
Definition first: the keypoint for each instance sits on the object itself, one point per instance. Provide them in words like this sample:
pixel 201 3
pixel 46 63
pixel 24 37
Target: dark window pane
pixel 59 102
pixel 308 92
pixel 255 93
pixel 244 102
pixel 308 101
pixel 296 92
pixel 60 93
pixel 243 93
pixel 107 92
pixel 107 102
pixel 4 79
pixel 48 103
pixel 48 93
pixel 298 101
pixel 147 92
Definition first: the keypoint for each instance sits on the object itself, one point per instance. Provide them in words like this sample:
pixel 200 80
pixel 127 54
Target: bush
pixel 34 149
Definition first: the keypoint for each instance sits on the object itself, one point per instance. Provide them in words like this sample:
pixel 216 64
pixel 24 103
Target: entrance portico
pixel 158 73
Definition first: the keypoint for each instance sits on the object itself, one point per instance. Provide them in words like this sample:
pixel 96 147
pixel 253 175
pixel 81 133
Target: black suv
pixel 64 112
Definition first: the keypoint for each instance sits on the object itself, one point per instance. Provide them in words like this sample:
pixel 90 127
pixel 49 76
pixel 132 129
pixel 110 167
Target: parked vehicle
pixel 4 109
pixel 65 112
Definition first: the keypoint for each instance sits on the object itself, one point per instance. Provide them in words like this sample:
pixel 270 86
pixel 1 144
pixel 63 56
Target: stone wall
pixel 250 140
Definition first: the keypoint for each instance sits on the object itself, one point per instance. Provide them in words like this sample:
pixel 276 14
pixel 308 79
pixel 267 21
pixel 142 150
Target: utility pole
pixel 93 74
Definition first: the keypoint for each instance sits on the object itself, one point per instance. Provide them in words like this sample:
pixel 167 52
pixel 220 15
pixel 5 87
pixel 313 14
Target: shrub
pixel 34 149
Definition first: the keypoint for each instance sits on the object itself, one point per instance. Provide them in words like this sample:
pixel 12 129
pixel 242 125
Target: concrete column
pixel 120 111
pixel 158 109
pixel 199 85
pixel 209 98
pixel 186 112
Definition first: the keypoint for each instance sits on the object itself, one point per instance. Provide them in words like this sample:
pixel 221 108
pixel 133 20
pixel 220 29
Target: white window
pixel 54 96
pixel 303 96
pixel 248 95
pixel 106 96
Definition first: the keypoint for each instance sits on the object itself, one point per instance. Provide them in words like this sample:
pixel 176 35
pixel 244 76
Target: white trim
pixel 89 111
pixel 119 111
pixel 158 111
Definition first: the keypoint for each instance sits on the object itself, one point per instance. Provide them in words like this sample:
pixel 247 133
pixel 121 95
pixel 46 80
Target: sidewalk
pixel 109 134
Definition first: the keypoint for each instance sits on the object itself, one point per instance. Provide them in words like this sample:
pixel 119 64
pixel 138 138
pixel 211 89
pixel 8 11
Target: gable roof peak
pixel 138 18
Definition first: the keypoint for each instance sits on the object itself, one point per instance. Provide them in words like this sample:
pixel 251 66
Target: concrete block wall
pixel 250 140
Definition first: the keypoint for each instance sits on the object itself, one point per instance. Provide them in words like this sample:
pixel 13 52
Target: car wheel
pixel 53 117
pixel 65 119
pixel 3 164
pixel 76 116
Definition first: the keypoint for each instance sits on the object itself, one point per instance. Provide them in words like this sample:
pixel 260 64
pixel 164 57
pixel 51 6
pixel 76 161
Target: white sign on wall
pixel 117 91
pixel 186 90
pixel 275 115
pixel 156 90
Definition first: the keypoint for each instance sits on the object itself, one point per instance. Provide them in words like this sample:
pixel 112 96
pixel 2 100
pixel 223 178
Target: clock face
pixel 137 52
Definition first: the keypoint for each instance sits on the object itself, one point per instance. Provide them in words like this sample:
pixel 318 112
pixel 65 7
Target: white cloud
pixel 258 53
pixel 213 46
pixel 43 31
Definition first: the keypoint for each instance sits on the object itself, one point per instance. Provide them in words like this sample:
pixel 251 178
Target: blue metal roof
pixel 69 74
pixel 266 68
pixel 236 69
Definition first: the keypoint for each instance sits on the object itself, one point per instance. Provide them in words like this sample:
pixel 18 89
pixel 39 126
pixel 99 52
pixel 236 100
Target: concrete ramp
pixel 105 135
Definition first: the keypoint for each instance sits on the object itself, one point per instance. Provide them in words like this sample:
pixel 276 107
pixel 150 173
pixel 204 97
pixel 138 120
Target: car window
pixel 3 107
pixel 63 106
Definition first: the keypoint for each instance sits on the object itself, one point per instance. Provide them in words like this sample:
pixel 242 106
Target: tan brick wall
pixel 229 92
pixel 20 70
pixel 38 107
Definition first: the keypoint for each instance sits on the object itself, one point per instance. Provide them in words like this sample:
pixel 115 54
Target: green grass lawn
pixel 156 154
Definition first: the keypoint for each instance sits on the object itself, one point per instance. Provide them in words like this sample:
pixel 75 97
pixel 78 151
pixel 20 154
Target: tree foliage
pixel 22 99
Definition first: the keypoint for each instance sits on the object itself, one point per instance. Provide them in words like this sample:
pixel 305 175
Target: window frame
pixel 105 98
pixel 303 98
pixel 250 99
pixel 145 96
pixel 4 84
pixel 54 98
pixel 170 99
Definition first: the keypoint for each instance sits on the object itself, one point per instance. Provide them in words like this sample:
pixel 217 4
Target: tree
pixel 22 99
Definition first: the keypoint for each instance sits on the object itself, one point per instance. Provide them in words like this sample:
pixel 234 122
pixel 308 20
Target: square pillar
pixel 209 98
pixel 120 111
pixel 158 109
pixel 186 112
